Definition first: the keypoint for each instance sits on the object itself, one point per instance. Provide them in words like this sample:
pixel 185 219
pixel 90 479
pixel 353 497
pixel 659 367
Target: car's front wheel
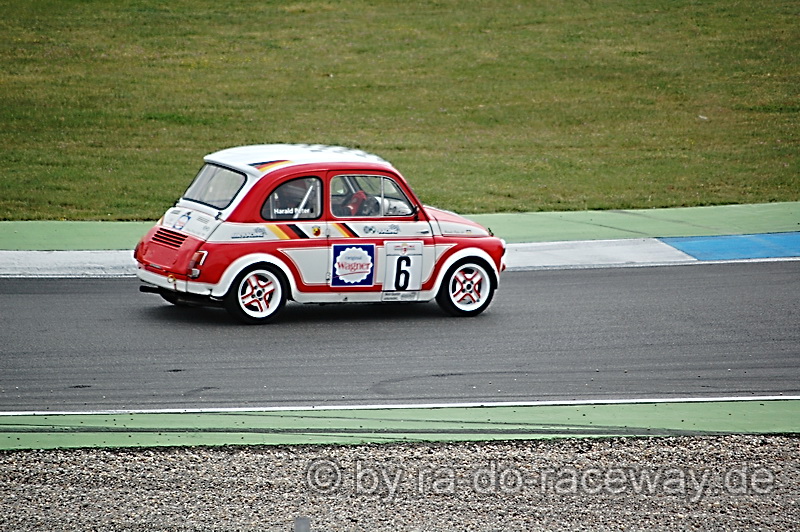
pixel 257 294
pixel 467 288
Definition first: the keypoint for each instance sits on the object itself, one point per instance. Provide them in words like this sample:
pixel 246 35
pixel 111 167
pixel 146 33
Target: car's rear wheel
pixel 467 288
pixel 257 294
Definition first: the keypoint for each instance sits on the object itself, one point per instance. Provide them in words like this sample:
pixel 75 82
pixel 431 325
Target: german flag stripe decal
pixel 344 230
pixel 293 231
pixel 280 231
pixel 299 232
pixel 269 165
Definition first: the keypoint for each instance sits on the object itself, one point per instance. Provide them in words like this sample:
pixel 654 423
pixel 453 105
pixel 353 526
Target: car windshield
pixel 215 186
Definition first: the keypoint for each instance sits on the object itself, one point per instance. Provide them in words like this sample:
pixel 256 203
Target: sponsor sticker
pixel 391 229
pixel 353 265
pixel 400 297
pixel 182 221
pixel 256 232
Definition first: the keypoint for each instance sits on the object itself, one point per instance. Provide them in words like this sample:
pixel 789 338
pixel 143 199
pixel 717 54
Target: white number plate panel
pixel 403 266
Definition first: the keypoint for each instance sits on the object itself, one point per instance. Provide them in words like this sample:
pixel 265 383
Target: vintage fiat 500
pixel 260 225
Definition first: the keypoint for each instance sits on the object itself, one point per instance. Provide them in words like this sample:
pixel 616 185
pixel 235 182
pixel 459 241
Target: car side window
pixel 298 199
pixel 368 196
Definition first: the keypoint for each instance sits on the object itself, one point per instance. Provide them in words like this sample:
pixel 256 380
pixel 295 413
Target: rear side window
pixel 215 186
pixel 298 199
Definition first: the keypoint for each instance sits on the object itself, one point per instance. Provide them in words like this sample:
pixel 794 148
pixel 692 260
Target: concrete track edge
pixel 402 424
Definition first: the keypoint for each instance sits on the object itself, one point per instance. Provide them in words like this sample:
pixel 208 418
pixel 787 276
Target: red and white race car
pixel 261 225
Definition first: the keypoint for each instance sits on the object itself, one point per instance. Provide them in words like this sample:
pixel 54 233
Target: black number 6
pixel 402 277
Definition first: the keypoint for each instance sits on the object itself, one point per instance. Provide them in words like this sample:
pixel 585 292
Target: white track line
pixel 426 406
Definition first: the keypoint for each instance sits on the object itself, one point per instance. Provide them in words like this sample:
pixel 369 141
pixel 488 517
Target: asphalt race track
pixel 714 330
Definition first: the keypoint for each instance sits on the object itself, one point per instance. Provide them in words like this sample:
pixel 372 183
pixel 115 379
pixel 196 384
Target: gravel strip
pixel 719 483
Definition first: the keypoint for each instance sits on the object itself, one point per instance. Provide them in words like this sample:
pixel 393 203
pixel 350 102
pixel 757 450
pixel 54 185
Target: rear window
pixel 298 199
pixel 215 186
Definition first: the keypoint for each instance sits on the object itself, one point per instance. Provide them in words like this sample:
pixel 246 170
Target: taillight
pixel 198 259
pixel 140 249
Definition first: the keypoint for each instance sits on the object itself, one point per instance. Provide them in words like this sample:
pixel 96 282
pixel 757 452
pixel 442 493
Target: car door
pixel 380 241
pixel 293 212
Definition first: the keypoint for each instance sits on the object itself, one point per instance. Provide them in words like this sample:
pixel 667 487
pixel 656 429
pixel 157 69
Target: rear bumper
pixel 169 282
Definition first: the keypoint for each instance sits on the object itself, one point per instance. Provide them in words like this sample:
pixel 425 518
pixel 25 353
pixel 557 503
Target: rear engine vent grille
pixel 169 238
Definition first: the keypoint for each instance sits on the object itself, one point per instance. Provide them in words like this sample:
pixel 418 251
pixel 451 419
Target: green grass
pixel 107 107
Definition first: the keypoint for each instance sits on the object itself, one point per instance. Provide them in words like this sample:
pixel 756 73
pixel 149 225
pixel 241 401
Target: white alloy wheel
pixel 467 289
pixel 257 295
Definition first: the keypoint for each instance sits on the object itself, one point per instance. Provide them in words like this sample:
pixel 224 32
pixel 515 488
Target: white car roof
pixel 263 158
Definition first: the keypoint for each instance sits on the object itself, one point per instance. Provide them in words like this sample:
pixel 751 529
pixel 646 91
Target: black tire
pixel 257 295
pixel 467 288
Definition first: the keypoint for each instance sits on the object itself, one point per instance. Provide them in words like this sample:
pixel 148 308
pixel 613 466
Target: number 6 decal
pixel 402 275
pixel 403 266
